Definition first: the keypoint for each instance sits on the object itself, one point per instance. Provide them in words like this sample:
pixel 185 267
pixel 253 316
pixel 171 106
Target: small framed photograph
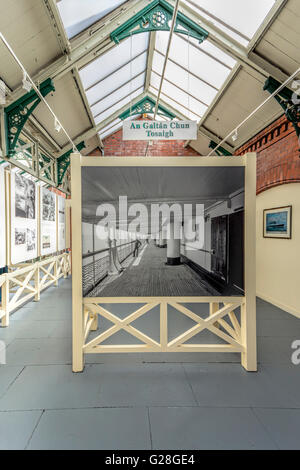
pixel 278 222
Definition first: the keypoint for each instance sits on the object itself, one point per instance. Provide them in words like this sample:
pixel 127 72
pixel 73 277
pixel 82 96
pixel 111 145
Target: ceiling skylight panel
pixel 77 15
pixel 234 16
pixel 195 60
pixel 113 60
pixel 179 95
pixel 116 80
pixel 119 94
pixel 109 126
pixel 175 105
pixel 101 117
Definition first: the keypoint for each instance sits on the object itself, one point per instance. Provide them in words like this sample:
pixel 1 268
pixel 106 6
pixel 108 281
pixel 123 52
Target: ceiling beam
pixel 89 49
pixel 57 26
pixel 236 69
pixel 152 42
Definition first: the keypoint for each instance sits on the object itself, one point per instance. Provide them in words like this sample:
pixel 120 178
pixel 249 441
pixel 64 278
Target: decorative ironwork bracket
pixel 146 106
pixel 157 17
pixel 63 163
pixel 17 114
pixel 220 151
pixel 289 101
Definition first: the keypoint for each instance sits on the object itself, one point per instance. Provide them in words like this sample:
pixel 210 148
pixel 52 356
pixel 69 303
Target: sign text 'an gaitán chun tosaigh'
pixel 158 130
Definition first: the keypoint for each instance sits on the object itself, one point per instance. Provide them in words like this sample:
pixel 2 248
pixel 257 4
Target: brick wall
pixel 115 146
pixel 277 148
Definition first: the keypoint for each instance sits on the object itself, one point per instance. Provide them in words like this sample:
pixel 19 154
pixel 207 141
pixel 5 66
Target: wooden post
pixel 55 271
pixel 5 302
pixel 37 283
pixel 213 308
pixel 248 310
pixel 77 301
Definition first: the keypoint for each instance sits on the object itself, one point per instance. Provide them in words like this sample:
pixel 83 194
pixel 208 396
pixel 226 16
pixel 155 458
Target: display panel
pixel 2 219
pixel 24 219
pixel 163 231
pixel 48 221
pixel 61 223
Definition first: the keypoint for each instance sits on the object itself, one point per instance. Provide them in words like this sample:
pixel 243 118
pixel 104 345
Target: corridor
pixel 152 277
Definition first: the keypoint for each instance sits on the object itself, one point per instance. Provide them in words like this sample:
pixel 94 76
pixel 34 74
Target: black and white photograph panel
pixel 31 240
pixel 162 231
pixel 48 205
pixel 24 197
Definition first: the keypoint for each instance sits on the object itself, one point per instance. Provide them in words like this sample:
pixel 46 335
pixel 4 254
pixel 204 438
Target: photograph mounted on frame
pixel 278 222
pixel 163 237
pixel 163 231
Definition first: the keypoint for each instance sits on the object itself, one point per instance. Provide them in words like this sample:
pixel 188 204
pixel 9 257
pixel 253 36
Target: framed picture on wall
pixel 278 222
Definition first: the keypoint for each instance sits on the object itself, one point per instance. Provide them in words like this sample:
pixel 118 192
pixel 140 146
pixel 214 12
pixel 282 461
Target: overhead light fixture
pixel 57 125
pixel 235 135
pixel 27 85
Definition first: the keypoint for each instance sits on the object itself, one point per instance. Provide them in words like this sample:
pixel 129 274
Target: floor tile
pixel 282 425
pixel 7 375
pixel 144 385
pixel 16 428
pixel 230 385
pixel 207 428
pixel 286 379
pixel 39 351
pixel 93 429
pixel 51 387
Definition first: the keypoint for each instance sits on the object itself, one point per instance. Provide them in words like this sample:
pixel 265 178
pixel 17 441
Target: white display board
pixel 61 223
pixel 24 221
pixel 2 219
pixel 158 130
pixel 48 222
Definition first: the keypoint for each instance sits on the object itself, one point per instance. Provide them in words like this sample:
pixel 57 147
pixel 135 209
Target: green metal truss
pixel 146 106
pixel 63 163
pixel 289 102
pixel 220 151
pixel 16 114
pixel 157 16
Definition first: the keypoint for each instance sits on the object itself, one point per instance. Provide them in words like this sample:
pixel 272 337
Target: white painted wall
pixel 278 260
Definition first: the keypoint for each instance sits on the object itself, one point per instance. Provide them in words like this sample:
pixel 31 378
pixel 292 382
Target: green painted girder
pixel 63 163
pixel 157 16
pixel 146 106
pixel 289 101
pixel 220 151
pixel 44 161
pixel 17 114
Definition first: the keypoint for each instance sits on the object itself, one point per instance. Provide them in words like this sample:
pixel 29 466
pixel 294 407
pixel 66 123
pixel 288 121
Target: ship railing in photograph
pixel 97 265
pixel 26 282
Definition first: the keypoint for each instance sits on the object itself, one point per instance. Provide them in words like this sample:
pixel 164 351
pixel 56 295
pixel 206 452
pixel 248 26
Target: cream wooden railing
pixel 26 282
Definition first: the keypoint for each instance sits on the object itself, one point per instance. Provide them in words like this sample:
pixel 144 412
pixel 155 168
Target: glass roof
pixel 116 78
pixel 194 75
pixel 77 15
pixel 238 18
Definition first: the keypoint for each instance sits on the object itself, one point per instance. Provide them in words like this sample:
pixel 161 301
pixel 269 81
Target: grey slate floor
pixel 154 401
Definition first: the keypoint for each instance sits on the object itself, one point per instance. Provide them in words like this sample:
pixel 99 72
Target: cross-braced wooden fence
pixel 224 321
pixel 26 282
